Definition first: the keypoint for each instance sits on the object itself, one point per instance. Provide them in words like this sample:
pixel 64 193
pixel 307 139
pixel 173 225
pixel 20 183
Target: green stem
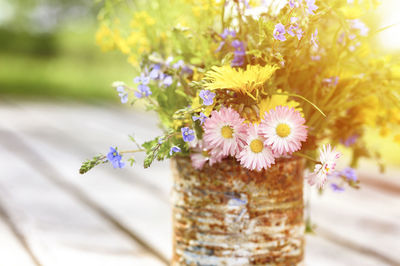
pixel 223 15
pixel 131 151
pixel 305 156
pixel 305 99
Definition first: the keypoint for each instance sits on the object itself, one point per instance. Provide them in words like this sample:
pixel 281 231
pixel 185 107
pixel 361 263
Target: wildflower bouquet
pixel 254 80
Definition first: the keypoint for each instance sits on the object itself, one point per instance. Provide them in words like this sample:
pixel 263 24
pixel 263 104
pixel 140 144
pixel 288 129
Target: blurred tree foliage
pixel 47 49
pixel 31 26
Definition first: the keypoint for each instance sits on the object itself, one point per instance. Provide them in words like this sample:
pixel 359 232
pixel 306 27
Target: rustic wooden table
pixel 52 216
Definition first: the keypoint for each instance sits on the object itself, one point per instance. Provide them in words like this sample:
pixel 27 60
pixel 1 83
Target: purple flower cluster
pixel 143 88
pixel 115 158
pixel 293 30
pixel 239 47
pixel 207 96
pixel 156 73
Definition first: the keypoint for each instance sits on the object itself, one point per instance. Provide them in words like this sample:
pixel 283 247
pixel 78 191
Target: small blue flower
pixel 337 188
pixel 279 32
pixel 187 134
pixel 142 79
pixel 202 117
pixel 349 173
pixel 156 72
pixel 179 64
pixel 122 94
pixel 174 149
pixel 143 91
pixel 168 80
pixel 350 141
pixel 207 97
pixel 115 158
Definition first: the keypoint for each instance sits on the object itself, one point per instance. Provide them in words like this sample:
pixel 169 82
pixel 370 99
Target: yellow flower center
pixel 283 130
pixel 205 153
pixel 227 132
pixel 256 146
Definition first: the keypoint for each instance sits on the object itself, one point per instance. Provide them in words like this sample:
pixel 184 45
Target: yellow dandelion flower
pixel 269 103
pixel 244 81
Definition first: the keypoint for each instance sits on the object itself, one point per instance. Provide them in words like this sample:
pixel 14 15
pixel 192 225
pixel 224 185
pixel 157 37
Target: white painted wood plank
pixel 322 252
pixel 367 218
pixel 12 251
pixel 58 228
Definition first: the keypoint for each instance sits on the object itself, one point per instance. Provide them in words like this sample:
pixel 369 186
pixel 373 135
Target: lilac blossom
pixel 311 6
pixel 202 117
pixel 279 32
pixel 207 96
pixel 187 134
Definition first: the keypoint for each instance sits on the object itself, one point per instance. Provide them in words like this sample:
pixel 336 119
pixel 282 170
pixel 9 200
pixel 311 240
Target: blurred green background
pixel 47 50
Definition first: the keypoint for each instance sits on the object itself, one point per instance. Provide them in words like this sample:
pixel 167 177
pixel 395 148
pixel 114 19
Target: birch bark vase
pixel 228 215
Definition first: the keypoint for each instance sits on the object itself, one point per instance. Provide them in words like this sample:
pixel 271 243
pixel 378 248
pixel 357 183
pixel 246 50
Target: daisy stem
pixel 305 156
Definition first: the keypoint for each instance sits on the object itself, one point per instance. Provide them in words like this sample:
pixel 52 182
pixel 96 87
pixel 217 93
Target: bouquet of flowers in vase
pixel 254 80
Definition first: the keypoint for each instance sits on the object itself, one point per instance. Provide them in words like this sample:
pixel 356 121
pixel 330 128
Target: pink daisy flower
pixel 284 130
pixel 328 158
pixel 256 155
pixel 200 156
pixel 224 132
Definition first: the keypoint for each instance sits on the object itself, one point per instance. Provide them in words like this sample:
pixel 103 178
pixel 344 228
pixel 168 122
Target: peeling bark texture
pixel 228 215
